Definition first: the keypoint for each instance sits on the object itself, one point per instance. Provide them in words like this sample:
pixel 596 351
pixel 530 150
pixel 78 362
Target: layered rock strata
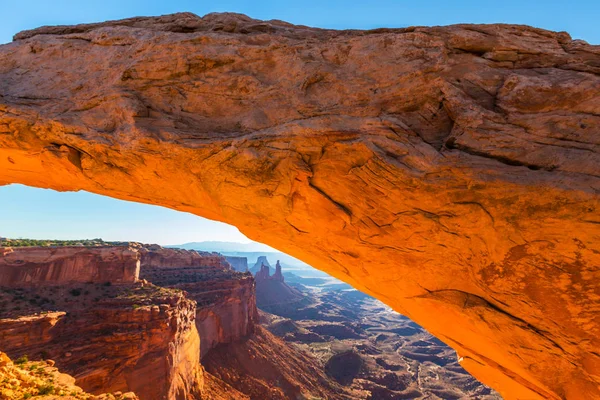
pixel 111 337
pixel 35 266
pixel 451 172
pixel 226 299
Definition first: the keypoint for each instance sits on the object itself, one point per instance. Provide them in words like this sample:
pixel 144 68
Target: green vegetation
pixel 22 360
pixel 46 389
pixel 4 242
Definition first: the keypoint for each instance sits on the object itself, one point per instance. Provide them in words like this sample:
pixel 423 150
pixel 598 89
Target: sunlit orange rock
pixel 226 299
pixel 452 172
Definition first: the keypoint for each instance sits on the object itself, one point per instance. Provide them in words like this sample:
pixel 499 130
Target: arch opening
pixel 354 340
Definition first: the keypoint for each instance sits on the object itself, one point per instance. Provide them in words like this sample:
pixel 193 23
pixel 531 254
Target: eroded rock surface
pixel 226 299
pixel 35 266
pixel 23 379
pixel 452 172
pixel 110 336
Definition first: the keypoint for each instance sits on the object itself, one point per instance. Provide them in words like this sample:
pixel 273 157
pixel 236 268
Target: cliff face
pixel 157 256
pixel 226 300
pixel 451 172
pixel 238 263
pixel 34 266
pixel 126 337
pixel 23 379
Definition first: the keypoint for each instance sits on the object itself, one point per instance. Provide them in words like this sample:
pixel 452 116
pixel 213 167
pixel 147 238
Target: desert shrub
pixel 75 292
pixel 46 389
pixel 22 360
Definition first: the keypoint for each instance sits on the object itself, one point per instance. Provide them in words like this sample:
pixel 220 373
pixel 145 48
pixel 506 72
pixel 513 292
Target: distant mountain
pixel 226 247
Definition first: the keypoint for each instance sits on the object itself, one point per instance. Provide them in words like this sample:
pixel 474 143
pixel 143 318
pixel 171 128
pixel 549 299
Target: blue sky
pixel 37 213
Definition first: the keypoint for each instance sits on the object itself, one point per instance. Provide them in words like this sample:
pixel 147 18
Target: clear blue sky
pixel 37 213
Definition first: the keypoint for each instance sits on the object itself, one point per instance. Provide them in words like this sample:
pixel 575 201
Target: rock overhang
pixel 452 172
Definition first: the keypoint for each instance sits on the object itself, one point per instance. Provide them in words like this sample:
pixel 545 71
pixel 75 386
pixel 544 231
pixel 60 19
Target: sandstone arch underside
pixel 452 172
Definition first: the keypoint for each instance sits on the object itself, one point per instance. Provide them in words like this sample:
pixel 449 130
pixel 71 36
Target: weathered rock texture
pixel 452 172
pixel 34 266
pixel 148 344
pixel 127 337
pixel 40 379
pixel 226 299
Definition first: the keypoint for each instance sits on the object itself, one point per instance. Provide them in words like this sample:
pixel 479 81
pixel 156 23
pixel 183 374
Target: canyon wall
pixel 238 263
pixel 34 266
pixel 110 336
pixel 226 300
pixel 451 172
pixel 157 256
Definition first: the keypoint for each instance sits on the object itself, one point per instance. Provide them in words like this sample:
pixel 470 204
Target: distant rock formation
pixel 34 266
pixel 162 257
pixel 278 276
pixel 272 291
pixel 226 299
pixel 261 260
pixel 238 263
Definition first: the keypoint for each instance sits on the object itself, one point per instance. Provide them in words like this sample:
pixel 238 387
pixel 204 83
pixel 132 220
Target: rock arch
pixel 452 172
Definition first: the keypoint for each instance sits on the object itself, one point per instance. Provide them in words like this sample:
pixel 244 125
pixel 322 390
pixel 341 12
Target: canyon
pixel 373 352
pixel 451 172
pixel 110 336
pixel 141 338
pixel 226 304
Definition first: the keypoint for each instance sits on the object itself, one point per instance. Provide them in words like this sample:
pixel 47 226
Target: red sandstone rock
pixel 226 299
pixel 451 172
pixel 124 342
pixel 22 380
pixel 157 256
pixel 33 266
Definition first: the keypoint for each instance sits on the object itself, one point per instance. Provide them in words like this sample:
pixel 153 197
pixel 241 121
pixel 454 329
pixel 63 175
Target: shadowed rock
pixel 452 172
